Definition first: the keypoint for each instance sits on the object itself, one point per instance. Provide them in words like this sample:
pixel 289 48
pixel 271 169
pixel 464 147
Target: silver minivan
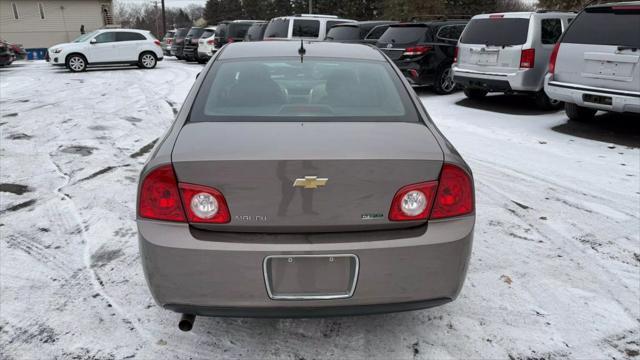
pixel 508 52
pixel 596 64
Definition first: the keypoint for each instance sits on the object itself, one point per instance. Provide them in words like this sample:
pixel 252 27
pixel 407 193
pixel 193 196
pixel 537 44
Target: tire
pixel 76 63
pixel 544 102
pixel 579 113
pixel 474 94
pixel 147 60
pixel 444 84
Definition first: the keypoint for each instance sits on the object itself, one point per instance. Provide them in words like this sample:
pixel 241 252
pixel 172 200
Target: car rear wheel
pixel 76 63
pixel 444 83
pixel 579 113
pixel 147 60
pixel 475 94
pixel 544 102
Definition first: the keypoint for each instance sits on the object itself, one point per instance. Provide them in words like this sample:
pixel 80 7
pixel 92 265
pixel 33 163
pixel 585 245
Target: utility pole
pixel 155 13
pixel 310 6
pixel 164 20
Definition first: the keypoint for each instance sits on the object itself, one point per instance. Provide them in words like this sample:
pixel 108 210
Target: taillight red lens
pixel 210 42
pixel 204 204
pixel 157 42
pixel 455 55
pixel 400 212
pixel 554 57
pixel 416 50
pixel 455 193
pixel 159 196
pixel 230 40
pixel 527 58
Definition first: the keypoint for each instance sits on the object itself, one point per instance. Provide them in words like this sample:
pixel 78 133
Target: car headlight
pixel 57 51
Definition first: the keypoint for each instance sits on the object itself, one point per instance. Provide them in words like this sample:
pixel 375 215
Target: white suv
pixel 206 44
pixel 108 47
pixel 596 64
pixel 305 26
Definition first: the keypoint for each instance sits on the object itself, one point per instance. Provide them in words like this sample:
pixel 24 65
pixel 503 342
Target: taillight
pixel 455 55
pixel 204 204
pixel 452 195
pixel 229 39
pixel 554 56
pixel 527 58
pixel 455 193
pixel 169 41
pixel 413 202
pixel 215 42
pixel 157 42
pixel 159 196
pixel 496 16
pixel 416 50
pixel 211 42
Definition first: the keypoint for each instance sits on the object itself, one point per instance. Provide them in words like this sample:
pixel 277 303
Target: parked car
pixel 190 49
pixel 167 40
pixel 424 51
pixel 307 26
pixel 243 212
pixel 509 52
pixel 6 55
pixel 108 47
pixel 18 51
pixel 231 31
pixel 358 32
pixel 256 31
pixel 206 46
pixel 596 63
pixel 177 45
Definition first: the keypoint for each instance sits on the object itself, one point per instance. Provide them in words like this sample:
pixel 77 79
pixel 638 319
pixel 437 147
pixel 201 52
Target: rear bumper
pixel 621 101
pixel 525 80
pixel 190 51
pixel 415 73
pixel 223 274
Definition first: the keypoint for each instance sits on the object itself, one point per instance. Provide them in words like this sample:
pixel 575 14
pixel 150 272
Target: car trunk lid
pixel 255 166
pixel 608 58
pixel 493 43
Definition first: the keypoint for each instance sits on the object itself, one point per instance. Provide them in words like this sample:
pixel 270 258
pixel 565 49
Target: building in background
pixel 41 24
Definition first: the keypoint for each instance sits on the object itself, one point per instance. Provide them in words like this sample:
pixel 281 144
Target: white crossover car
pixel 108 47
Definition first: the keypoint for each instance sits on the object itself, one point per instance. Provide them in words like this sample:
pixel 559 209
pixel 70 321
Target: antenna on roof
pixel 302 51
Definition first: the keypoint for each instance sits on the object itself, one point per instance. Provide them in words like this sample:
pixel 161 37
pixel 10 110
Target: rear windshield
pixel 606 26
pixel 195 32
pixel 496 31
pixel 286 89
pixel 255 32
pixel 169 34
pixel 238 30
pixel 404 35
pixel 181 32
pixel 277 28
pixel 343 33
pixel 207 33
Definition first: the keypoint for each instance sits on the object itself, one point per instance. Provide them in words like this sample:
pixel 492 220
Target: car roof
pixel 372 23
pixel 522 14
pixel 127 30
pixel 313 49
pixel 429 23
pixel 313 17
pixel 622 3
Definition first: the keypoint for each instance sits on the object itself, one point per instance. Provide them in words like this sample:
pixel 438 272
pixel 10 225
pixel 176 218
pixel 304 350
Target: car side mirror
pixel 92 41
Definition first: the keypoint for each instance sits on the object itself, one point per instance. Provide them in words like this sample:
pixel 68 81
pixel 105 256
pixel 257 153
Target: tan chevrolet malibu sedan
pixel 299 180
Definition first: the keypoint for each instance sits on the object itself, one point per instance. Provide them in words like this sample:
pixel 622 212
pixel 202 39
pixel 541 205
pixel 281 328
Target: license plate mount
pixel 311 277
pixel 597 99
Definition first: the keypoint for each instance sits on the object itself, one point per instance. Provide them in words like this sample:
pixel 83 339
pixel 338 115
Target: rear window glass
pixel 344 33
pixel 306 28
pixel 605 26
pixel 285 89
pixel 255 32
pixel 207 33
pixel 377 32
pixel 169 34
pixel 404 34
pixel 450 32
pixel 498 31
pixel 277 28
pixel 195 32
pixel 181 32
pixel 551 29
pixel 238 30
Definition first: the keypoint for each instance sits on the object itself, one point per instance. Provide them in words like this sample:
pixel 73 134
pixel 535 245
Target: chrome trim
pixel 593 89
pixel 310 297
pixel 457 69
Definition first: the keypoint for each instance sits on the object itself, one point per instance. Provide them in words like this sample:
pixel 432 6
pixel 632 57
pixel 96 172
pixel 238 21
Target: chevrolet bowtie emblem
pixel 310 182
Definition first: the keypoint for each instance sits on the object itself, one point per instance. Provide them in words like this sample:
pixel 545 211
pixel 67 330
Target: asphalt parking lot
pixel 555 270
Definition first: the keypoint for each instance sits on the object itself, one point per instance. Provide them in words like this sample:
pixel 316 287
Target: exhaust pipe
pixel 186 322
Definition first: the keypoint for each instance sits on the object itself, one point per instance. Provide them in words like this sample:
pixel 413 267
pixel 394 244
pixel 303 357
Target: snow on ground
pixel 555 270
